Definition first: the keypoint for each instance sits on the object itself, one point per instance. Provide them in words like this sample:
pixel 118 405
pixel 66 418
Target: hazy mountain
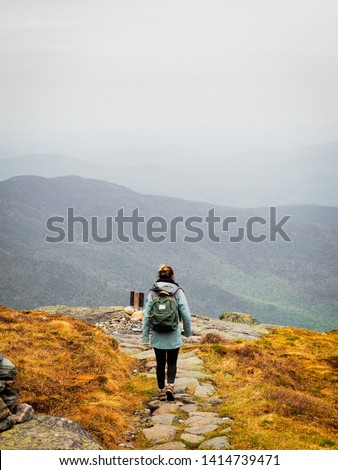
pixel 279 282
pixel 254 178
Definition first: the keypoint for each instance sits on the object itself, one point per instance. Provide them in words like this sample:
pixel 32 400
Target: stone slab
pixel 159 433
pixel 217 443
pixel 192 438
pixel 204 391
pixel 175 445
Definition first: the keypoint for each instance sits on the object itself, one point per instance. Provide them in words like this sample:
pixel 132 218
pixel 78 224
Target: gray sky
pixel 205 77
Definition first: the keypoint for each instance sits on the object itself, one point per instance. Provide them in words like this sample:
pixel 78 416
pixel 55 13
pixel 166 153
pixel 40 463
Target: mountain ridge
pixel 252 178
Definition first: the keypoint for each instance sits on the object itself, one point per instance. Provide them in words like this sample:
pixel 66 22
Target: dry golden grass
pixel 72 369
pixel 281 390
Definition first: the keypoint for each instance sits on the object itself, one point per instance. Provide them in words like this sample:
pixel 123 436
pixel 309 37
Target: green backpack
pixel 164 314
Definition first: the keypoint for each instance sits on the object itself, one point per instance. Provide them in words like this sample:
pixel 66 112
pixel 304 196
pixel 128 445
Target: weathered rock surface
pixel 47 433
pixel 218 443
pixel 159 433
pixel 204 390
pixel 192 438
pixel 169 446
pixel 22 413
pixel 239 318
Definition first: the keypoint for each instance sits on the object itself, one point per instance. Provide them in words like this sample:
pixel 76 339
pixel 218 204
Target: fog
pixel 121 81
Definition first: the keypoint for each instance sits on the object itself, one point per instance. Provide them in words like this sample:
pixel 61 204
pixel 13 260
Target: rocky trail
pixel 193 420
pixel 188 422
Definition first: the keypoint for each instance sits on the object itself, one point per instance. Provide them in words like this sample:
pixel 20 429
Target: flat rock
pixel 48 433
pixel 189 408
pixel 175 445
pixel 217 443
pixel 202 429
pixel 163 419
pixel 159 433
pixel 148 354
pixel 166 408
pixel 183 383
pixel 195 421
pixel 204 414
pixel 192 438
pixel 184 398
pixel 204 390
pixel 196 374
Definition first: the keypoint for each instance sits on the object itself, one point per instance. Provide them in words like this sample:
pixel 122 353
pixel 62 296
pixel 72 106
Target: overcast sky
pixel 89 77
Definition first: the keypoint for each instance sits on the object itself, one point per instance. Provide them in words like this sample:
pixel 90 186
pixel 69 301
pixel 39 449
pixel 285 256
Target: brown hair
pixel 165 271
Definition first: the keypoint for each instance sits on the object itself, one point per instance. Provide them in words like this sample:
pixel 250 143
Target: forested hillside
pixel 282 282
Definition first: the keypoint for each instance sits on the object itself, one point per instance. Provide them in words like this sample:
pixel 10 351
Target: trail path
pixel 189 422
pixel 193 420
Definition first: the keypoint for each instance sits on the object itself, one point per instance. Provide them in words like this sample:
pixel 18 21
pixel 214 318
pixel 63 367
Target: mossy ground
pixel 281 390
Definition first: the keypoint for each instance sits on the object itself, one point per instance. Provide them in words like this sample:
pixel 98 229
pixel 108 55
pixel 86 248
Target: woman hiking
pixel 166 304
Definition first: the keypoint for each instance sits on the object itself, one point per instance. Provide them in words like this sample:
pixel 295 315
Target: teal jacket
pixel 172 339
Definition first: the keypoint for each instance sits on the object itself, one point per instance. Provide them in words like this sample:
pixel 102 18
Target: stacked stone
pixel 10 411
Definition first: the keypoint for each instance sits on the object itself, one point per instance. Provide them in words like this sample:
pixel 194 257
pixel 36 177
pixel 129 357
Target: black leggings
pixel 164 356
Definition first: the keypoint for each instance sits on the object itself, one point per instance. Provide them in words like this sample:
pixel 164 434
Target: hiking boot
pixel 161 394
pixel 169 390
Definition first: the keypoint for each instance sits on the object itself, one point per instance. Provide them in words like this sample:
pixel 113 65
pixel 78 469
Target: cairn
pixel 11 412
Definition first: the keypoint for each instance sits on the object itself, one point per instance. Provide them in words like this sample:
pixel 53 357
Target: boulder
pixel 22 413
pixel 129 311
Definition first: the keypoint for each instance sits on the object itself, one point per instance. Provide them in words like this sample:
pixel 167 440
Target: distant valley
pixel 289 283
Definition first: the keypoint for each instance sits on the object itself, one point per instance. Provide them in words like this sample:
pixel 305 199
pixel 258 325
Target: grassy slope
pixel 71 369
pixel 280 390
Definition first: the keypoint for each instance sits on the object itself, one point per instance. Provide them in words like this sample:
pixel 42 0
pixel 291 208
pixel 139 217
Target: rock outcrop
pixel 48 433
pixel 237 317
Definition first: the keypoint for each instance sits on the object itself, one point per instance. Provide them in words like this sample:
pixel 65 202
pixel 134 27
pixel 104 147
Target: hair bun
pixel 165 271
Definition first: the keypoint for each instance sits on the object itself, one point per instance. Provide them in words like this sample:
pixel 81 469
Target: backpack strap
pixel 179 314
